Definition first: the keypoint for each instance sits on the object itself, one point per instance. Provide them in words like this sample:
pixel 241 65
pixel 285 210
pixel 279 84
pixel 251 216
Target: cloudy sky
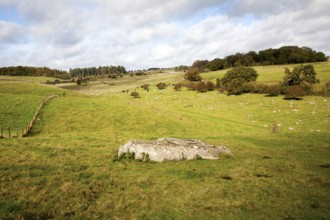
pixel 154 33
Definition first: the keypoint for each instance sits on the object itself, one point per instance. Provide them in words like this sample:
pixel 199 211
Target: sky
pixel 141 34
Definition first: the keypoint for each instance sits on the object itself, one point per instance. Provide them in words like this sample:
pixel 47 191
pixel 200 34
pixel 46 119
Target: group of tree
pixel 300 74
pixel 102 70
pixel 62 74
pixel 283 55
pixel 238 80
pixel 295 84
pixel 34 71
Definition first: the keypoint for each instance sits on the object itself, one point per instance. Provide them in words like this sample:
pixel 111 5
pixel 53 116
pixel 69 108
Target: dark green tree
pixel 200 65
pixel 299 74
pixel 216 64
pixel 234 79
pixel 247 74
pixel 320 57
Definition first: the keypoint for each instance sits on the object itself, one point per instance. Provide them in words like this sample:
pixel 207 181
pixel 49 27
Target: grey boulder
pixel 168 149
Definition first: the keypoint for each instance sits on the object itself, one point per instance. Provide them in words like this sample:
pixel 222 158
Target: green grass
pixel 19 101
pixel 66 169
pixel 106 86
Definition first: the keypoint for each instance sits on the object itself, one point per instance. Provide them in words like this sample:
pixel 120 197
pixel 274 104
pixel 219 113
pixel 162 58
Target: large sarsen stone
pixel 166 149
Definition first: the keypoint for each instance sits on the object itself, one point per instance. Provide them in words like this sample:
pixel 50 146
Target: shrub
pixel 218 83
pixel 201 87
pixel 177 87
pixel 161 86
pixel 135 94
pixel 327 85
pixel 293 92
pixel 260 88
pixel 145 87
pixel 191 86
pixel 192 75
pixel 326 88
pixel 247 87
pixel 210 86
pixel 307 87
pixel 234 79
pixel 235 87
pixel 78 81
pixel 274 90
pixel 221 89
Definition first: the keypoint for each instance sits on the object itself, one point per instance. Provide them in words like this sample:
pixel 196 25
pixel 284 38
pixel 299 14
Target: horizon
pixel 160 67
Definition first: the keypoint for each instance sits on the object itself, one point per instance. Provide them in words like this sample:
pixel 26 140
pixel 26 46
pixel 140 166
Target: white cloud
pixel 11 32
pixel 149 33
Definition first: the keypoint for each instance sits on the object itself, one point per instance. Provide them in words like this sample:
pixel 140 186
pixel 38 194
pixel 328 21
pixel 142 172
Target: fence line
pixel 26 131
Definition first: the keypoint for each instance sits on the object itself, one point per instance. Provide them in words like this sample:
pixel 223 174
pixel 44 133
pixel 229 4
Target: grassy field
pixel 19 100
pixel 66 169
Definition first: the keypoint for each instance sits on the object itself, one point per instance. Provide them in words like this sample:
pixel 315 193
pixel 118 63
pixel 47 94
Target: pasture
pixel 66 169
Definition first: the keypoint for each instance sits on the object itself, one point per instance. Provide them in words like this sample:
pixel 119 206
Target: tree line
pixel 34 71
pixel 93 71
pixel 62 74
pixel 283 55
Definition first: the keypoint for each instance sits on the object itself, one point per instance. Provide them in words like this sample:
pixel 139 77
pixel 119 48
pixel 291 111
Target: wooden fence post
pixel 9 132
pixel 1 132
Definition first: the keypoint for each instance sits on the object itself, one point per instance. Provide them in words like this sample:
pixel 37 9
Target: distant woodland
pixel 93 71
pixel 61 74
pixel 283 55
pixel 34 71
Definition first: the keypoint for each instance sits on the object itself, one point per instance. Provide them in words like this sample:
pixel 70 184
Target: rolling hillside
pixel 66 169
